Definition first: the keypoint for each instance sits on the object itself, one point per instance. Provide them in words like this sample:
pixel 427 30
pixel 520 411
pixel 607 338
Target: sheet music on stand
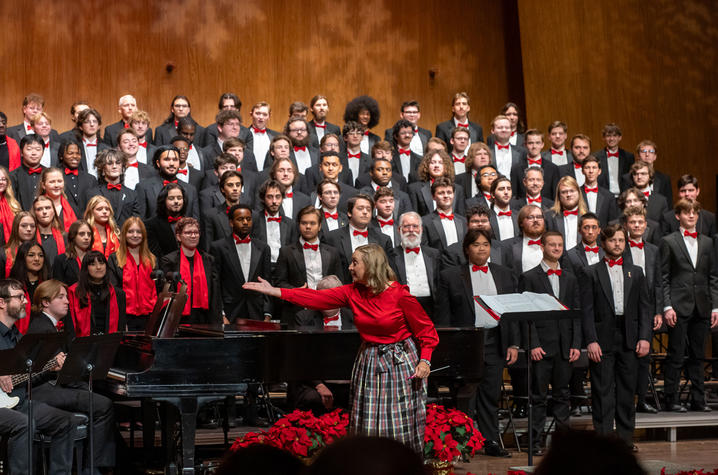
pixel 520 303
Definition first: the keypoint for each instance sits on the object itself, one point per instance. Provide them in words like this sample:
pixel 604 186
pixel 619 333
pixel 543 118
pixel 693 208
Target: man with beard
pixel 417 265
pixel 270 224
pixel 319 126
pixel 186 173
pixel 166 160
pixel 301 153
pixel 503 219
pixel 580 149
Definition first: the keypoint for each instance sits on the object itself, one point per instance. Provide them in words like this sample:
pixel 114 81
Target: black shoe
pixel 493 449
pixel 700 408
pixel 675 408
pixel 520 412
pixel 646 408
pixel 537 451
pixel 576 411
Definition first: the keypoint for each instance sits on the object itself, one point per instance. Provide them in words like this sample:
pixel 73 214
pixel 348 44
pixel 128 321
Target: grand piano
pixel 206 363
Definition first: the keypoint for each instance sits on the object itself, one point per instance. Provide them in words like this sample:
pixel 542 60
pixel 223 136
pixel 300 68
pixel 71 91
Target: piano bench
pixel 81 421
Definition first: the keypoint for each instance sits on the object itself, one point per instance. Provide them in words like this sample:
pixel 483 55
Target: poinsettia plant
pixel 301 433
pixel 450 435
pixel 699 471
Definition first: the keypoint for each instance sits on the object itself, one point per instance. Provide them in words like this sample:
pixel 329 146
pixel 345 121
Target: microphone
pixel 157 275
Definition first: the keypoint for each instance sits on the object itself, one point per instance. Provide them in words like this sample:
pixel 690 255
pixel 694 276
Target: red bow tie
pixel 487 196
pixel 278 219
pixel 91 144
pixel 70 171
pixel 647 193
pixel 534 200
pixel 483 269
pixel 576 165
pixel 569 213
pixel 60 325
pixel 29 127
pixel 126 125
pixel 322 126
pixel 258 131
pixel 535 162
pixel 534 242
pixel 513 133
pixel 504 213
pixel 446 216
pixel 32 171
pixel 303 148
pixel 328 320
pixel 590 190
pixel 554 271
pixel 143 145
pixel 388 222
pixel 361 233
pixel 632 243
pixel 612 154
pixel 466 125
pixel 313 247
pixel 182 172
pixel 366 132
pixel 689 234
pixel 167 182
pixel 245 240
pixel 135 165
pixel 173 219
pixel 556 152
pixel 404 151
pixel 591 249
pixel 611 262
pixel 412 249
pixel 354 155
pixel 110 186
pixel 47 144
pixel 330 215
pixel 457 159
pixel 501 147
pixel 289 195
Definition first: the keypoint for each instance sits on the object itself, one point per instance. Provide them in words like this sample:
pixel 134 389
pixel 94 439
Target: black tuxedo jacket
pixel 654 279
pixel 433 233
pixel 493 220
pixel 424 135
pixel 364 169
pixel 599 319
pixel 79 189
pixel 443 132
pixel 237 302
pixel 432 260
pixel 656 207
pixel 341 241
pixel 706 223
pixel 209 152
pixel 343 222
pixel 25 185
pixel 41 324
pixel 329 129
pixel 606 208
pixel 171 263
pixel 479 199
pixel 661 184
pixel 64 268
pixel 166 131
pixel 249 161
pixel 555 337
pixel 161 237
pixel 299 200
pixel 686 288
pixel 215 225
pixel 83 163
pixel 195 178
pixel 18 131
pixel 423 202
pixel 518 203
pixel 287 229
pixel 397 182
pixel 454 255
pixel 577 259
pixel 313 176
pixel 402 201
pixel 625 160
pixel 397 168
pixel 123 201
pixel 148 190
pixel 567 170
pixel 554 222
pixel 345 193
pixel 464 180
pixel 456 297
pixel 520 141
pixel 395 228
pixel 546 155
pixel 513 251
pixel 550 178
pixel 518 155
pixel 113 130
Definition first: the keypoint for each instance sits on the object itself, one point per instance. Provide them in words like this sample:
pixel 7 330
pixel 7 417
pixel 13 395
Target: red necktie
pixel 322 126
pixel 313 247
pixel 330 215
pixel 633 243
pixel 446 216
pixel 534 200
pixel 591 249
pixel 411 249
pixel 554 271
pixel 354 155
pixel 404 151
pixel 70 171
pixel 303 148
pixel 535 162
pixel 183 172
pixel 278 219
pixel 611 262
pixel 167 182
pixel 612 154
pixel 505 213
pixel 590 190
pixel 111 186
pixel 143 145
pixel 689 234
pixel 576 165
pixel 258 131
pixel 466 125
pixel 501 147
pixel 534 242
pixel 32 171
pixel 361 233
pixel 556 152
pixel 237 240
pixel 388 222
pixel 484 269
pixel 457 159
pixel 135 165
pixel 569 213
pixel 289 195
pixel 328 320
pixel 647 193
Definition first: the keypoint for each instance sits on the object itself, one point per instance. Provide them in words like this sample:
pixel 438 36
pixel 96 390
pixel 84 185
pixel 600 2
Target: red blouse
pixel 393 315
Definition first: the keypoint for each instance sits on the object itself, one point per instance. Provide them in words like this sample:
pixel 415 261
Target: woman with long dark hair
pixel 66 267
pixel 30 268
pixel 171 207
pixel 179 109
pixel 95 304
pixel 23 230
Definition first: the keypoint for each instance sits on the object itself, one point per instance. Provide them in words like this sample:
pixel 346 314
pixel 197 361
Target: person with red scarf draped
pixel 96 305
pixel 52 185
pixel 130 269
pixel 30 268
pixel 101 218
pixel 199 273
pixel 49 232
pixel 66 267
pixel 9 206
pixel 9 150
pixel 23 230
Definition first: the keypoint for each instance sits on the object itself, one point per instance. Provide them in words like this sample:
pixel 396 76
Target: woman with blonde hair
pixel 52 185
pixel 49 231
pixel 9 206
pixel 388 385
pixel 130 268
pixel 101 218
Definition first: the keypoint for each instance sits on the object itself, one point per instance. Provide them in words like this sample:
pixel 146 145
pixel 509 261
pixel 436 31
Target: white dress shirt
pixel 506 223
pixel 387 230
pixel 570 226
pixel 691 245
pixel 184 176
pixel 592 200
pixel 260 147
pixel 90 154
pixel 332 223
pixel 615 275
pixel 561 159
pixel 354 163
pixel 450 231
pixel 553 279
pixel 244 252
pixel 193 156
pixel 638 255
pixel 288 202
pixel 416 277
pixel 358 240
pixel 591 257
pixel 613 172
pixel 459 167
pixel 304 160
pixel 415 145
pixel 503 160
pixel 274 239
pixel 46 160
pixel 312 263
pixel 132 177
pixel 483 284
pixel 531 255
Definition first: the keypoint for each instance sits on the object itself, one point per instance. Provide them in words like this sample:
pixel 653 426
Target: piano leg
pixel 188 421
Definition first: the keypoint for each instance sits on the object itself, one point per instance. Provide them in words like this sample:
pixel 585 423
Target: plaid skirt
pixel 384 401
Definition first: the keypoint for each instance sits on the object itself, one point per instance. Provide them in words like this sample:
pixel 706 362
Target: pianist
pixel 388 364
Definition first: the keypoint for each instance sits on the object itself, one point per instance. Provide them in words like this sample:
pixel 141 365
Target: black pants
pixel 688 335
pixel 60 426
pixel 13 425
pixel 489 390
pixel 554 370
pixel 613 385
pixel 75 399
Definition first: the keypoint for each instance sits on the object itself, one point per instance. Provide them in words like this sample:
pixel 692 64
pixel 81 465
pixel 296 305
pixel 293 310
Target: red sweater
pixel 393 315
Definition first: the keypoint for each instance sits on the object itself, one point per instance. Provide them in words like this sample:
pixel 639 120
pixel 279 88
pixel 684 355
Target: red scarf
pixel 68 214
pixel 24 323
pixel 197 295
pixel 139 288
pixel 9 259
pixel 112 241
pixel 14 152
pixel 57 236
pixel 82 316
pixel 6 216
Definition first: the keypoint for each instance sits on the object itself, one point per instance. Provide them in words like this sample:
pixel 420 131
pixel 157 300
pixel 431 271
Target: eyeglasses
pixel 534 218
pixel 298 131
pixel 487 175
pixel 22 297
pixel 647 150
pixel 190 233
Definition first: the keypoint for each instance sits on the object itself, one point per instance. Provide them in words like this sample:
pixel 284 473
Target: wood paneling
pixel 270 50
pixel 648 66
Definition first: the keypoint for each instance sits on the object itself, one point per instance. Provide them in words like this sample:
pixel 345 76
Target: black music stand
pixel 533 317
pixel 166 316
pixel 90 358
pixel 29 356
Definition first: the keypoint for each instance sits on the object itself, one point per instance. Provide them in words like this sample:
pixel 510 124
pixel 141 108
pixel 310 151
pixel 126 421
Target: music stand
pixel 166 316
pixel 90 358
pixel 29 356
pixel 533 317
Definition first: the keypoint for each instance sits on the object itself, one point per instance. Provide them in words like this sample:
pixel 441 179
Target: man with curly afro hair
pixel 365 110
